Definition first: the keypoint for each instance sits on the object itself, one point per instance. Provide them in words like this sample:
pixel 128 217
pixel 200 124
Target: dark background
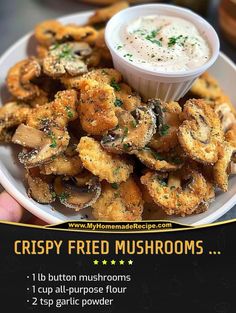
pixel 17 17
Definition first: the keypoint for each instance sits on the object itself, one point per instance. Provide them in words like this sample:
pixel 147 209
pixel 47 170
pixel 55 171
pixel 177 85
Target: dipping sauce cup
pixel 149 82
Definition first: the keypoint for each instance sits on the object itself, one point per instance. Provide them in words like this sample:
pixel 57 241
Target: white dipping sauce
pixel 162 43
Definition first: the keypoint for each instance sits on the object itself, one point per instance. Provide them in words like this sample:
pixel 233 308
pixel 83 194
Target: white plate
pixel 12 173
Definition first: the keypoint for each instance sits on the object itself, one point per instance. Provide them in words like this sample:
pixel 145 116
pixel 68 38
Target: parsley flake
pixel 163 131
pixel 63 196
pixel 115 85
pixel 114 186
pixel 118 102
pixel 69 112
pixel 53 140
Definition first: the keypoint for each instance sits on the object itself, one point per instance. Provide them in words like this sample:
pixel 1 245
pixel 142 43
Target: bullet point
pixel 28 288
pixel 27 276
pixel 27 300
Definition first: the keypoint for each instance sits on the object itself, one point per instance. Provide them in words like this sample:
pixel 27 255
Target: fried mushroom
pixel 77 192
pixel 101 16
pixel 181 197
pixel 45 32
pixel 134 131
pixel 116 204
pixel 200 134
pixel 168 122
pixel 98 161
pixel 12 114
pixel 96 108
pixel 19 79
pixel 222 168
pixel 40 187
pixel 226 115
pixel 67 164
pixel 62 110
pixel 163 162
pixel 73 32
pixel 126 98
pixel 68 58
pixel 108 76
pixel 42 145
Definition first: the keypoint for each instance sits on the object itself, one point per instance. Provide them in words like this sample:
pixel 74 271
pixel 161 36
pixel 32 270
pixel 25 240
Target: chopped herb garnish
pixel 152 37
pixel 53 158
pixel 115 85
pixel 64 196
pixel 128 55
pixel 172 187
pixel 126 130
pixel 55 46
pixel 69 112
pixel 173 40
pixel 116 171
pixel 133 123
pixel 119 47
pixel 104 72
pixel 54 195
pixel 177 40
pixel 66 52
pixel 163 131
pixel 118 102
pixel 114 186
pixel 53 139
pixel 126 146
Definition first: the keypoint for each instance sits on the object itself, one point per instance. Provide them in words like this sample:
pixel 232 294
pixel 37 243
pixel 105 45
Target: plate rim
pixel 47 216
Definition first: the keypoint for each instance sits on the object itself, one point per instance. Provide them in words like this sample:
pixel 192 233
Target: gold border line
pixel 186 227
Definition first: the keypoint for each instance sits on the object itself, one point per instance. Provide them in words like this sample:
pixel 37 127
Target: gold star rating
pixel 113 262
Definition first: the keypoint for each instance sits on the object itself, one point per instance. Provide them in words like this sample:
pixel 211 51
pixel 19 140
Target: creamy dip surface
pixel 162 43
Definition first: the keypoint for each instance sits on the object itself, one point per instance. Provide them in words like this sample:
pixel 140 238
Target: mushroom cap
pixel 163 162
pixel 67 58
pixel 221 169
pixel 182 200
pixel 19 79
pixel 77 192
pixel 200 134
pixel 134 131
pixel 40 187
pixel 48 143
pixel 73 32
pixel 168 121
pixel 45 32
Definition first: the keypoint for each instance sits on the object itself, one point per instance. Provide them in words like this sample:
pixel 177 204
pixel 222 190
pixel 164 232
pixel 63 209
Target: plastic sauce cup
pixel 150 83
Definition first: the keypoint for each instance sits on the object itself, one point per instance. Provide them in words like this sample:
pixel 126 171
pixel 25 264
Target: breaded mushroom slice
pixel 116 204
pixel 178 194
pixel 207 87
pixel 96 108
pixel 168 122
pixel 95 159
pixel 108 76
pixel 104 14
pixel 200 134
